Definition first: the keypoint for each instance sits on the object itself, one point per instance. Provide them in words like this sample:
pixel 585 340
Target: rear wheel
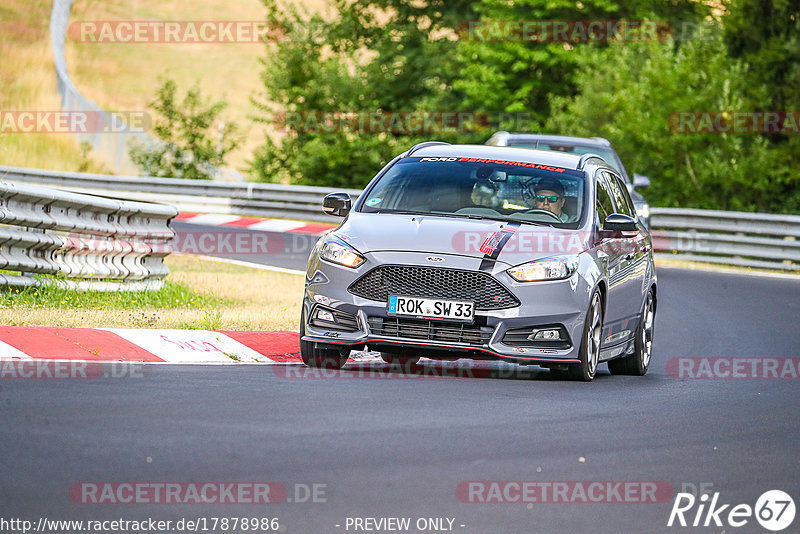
pixel 637 363
pixel 326 358
pixel 589 353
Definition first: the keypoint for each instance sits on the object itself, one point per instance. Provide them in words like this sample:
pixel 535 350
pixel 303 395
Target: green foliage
pixel 633 95
pixel 190 148
pixel 766 35
pixel 54 296
pixel 523 75
pixel 395 55
pixel 377 55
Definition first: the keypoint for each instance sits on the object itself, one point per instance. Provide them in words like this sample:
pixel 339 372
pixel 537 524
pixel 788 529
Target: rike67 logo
pixel 774 510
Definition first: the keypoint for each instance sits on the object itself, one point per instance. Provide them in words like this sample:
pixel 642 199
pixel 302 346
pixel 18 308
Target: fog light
pixel 324 315
pixel 548 335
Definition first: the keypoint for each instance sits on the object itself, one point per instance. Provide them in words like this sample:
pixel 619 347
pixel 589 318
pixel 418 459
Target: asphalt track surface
pixel 400 446
pixel 285 250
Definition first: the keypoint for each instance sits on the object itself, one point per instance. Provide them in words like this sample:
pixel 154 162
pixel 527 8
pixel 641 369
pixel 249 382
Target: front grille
pixel 430 282
pixel 430 330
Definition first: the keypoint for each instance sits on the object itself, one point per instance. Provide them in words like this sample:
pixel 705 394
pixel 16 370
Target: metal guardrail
pixel 728 237
pixel 204 196
pixel 725 237
pixel 88 242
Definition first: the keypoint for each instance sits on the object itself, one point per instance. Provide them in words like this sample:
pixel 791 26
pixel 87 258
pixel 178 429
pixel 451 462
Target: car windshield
pixel 606 153
pixel 480 188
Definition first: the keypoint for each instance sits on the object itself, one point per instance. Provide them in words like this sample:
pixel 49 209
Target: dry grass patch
pixel 28 81
pixel 264 300
pixel 125 76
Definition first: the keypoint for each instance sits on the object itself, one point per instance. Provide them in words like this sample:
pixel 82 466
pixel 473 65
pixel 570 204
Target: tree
pixel 188 148
pixel 376 56
pixel 634 96
pixel 506 72
pixel 765 34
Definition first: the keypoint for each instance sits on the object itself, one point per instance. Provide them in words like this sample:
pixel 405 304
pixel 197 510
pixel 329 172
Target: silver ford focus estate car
pixel 493 253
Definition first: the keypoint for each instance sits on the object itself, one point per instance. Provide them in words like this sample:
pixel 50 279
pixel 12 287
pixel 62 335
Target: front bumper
pixel 561 302
pixel 437 350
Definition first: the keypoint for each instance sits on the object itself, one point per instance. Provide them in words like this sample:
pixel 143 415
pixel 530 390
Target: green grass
pixel 172 295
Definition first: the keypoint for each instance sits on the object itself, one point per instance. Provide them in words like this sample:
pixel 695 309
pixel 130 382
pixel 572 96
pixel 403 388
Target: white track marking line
pixel 191 346
pixel 723 270
pixel 212 219
pixel 7 352
pixel 276 225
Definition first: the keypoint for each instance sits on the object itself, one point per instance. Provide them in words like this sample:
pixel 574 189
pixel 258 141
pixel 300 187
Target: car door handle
pixel 630 256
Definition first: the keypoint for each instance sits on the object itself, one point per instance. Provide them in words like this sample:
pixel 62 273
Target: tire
pixel 406 362
pixel 637 363
pixel 589 353
pixel 329 358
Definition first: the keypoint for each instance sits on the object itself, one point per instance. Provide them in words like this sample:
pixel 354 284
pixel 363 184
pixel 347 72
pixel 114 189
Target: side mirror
pixel 617 222
pixel 640 180
pixel 337 204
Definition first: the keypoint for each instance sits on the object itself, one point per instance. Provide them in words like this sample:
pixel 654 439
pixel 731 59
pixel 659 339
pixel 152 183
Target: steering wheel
pixel 544 212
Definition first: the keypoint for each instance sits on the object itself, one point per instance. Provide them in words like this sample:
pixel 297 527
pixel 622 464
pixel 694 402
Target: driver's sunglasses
pixel 549 198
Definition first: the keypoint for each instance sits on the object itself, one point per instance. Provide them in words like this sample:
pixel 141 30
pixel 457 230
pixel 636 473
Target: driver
pixel 550 196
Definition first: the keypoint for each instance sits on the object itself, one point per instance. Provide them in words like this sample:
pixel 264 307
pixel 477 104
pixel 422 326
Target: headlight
pixel 339 252
pixel 555 268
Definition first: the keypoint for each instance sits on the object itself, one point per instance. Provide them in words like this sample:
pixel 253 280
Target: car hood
pixel 370 232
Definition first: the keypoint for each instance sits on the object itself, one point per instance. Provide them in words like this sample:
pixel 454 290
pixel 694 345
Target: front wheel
pixel 637 363
pixel 325 358
pixel 589 353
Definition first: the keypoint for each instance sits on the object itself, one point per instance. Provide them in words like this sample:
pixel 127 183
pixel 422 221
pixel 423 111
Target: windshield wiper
pixel 409 212
pixel 465 216
pixel 504 219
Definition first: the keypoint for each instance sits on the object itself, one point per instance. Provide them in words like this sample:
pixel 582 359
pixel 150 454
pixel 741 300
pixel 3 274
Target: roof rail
pixel 423 145
pixel 602 140
pixel 499 138
pixel 586 157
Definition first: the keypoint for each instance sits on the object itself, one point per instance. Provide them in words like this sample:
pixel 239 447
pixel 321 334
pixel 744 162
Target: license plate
pixel 431 308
